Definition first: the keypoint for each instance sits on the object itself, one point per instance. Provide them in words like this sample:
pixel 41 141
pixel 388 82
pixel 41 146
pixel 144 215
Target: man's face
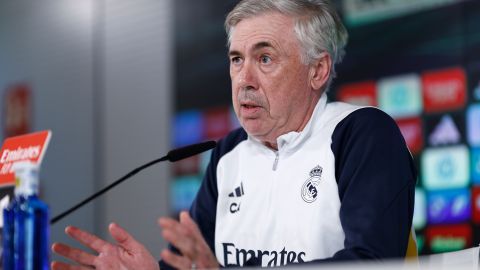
pixel 270 84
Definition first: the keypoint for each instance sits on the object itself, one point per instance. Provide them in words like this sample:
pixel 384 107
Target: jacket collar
pixel 291 141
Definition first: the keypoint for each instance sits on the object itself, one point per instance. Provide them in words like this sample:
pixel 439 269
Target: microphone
pixel 172 156
pixel 190 150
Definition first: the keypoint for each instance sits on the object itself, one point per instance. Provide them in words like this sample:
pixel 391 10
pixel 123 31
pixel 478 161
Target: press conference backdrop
pixel 419 61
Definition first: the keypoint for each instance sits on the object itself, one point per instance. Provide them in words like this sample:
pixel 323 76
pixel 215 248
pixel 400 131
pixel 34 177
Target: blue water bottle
pixel 30 222
pixel 7 236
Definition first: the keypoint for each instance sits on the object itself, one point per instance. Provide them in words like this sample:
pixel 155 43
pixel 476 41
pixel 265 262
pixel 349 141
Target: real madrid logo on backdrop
pixel 309 188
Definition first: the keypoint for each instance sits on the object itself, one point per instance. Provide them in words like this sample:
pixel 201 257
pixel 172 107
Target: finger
pixel 180 237
pixel 73 254
pixel 177 261
pixel 174 227
pixel 189 223
pixel 87 239
pixel 123 238
pixel 63 266
pixel 186 220
pixel 188 241
pixel 167 223
pixel 205 258
pixel 181 240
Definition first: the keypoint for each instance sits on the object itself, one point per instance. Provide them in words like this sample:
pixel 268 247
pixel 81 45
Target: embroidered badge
pixel 309 188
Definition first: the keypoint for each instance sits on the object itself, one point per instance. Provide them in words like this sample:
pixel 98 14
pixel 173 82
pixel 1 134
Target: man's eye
pixel 265 59
pixel 236 60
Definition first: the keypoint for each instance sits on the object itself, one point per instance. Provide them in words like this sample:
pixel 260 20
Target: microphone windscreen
pixel 190 150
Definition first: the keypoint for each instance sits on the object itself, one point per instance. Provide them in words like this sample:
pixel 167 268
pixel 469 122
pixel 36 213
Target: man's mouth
pixel 249 109
pixel 249 105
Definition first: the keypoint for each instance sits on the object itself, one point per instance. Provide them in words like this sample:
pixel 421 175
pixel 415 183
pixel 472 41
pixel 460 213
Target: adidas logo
pixel 237 193
pixel 446 132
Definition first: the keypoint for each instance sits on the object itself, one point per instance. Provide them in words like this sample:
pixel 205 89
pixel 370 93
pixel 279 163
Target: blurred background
pixel 119 83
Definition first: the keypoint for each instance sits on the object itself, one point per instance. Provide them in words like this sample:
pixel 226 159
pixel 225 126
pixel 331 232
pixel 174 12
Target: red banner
pixel 30 147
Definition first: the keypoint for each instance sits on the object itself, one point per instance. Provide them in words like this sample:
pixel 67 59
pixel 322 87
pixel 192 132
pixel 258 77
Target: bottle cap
pixel 26 178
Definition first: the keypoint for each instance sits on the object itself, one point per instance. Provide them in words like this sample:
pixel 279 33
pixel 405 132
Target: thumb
pixel 123 238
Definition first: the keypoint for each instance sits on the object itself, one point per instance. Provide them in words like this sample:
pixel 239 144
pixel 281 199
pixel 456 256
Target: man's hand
pixel 127 253
pixel 188 239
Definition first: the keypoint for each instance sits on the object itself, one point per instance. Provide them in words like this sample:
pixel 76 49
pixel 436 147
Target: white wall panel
pixel 137 109
pixel 101 76
pixel 48 45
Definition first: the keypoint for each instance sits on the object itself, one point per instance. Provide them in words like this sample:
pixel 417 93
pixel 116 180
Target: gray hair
pixel 318 26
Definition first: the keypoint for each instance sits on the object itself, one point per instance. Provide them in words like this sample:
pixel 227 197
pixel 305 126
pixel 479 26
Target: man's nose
pixel 248 76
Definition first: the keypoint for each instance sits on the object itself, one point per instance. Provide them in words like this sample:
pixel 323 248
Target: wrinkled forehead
pixel 272 27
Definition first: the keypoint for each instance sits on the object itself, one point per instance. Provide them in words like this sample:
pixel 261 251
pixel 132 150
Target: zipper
pixel 275 163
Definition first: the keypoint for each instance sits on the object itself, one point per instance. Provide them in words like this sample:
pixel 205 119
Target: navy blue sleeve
pixel 376 183
pixel 204 206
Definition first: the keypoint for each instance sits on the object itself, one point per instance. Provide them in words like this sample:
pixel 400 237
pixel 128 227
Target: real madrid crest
pixel 309 188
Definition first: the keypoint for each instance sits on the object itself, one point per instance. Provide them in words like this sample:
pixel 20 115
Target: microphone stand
pixel 173 155
pixel 107 188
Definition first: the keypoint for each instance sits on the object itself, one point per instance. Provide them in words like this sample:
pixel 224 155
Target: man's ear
pixel 320 72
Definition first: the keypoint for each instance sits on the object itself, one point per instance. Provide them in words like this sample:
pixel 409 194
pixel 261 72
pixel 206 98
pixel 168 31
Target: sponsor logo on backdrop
pixel 445 129
pixel 400 96
pixel 361 93
pixel 449 206
pixel 444 90
pixel 445 167
pixel 448 237
pixel 411 129
pixel 446 132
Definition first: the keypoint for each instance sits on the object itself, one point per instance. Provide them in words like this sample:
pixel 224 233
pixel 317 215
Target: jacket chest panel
pixel 258 206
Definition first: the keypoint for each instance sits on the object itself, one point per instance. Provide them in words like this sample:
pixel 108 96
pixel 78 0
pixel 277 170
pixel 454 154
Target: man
pixel 303 181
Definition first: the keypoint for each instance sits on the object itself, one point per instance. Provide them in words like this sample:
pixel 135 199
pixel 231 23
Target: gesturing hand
pixel 188 239
pixel 127 253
